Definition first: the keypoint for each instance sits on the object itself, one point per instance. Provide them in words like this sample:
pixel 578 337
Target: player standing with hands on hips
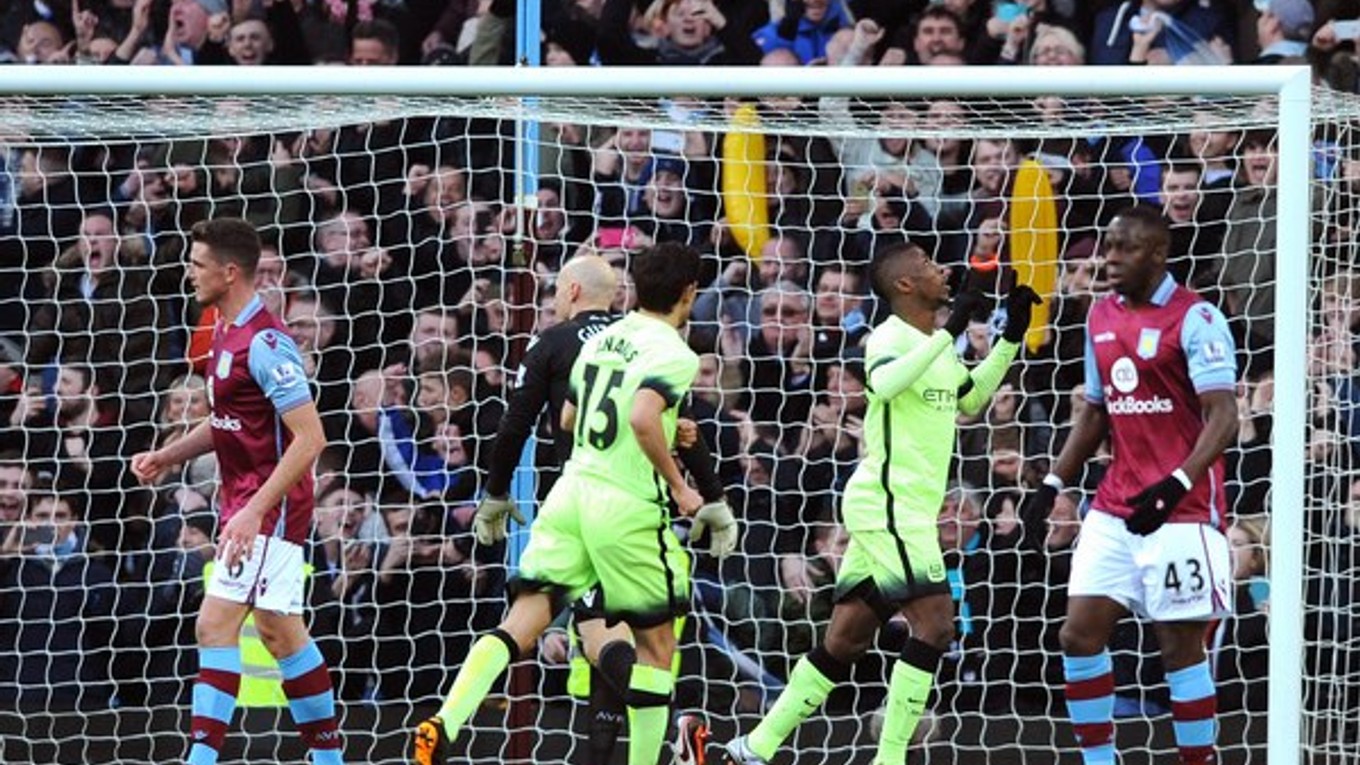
pixel 916 388
pixel 1160 377
pixel 266 432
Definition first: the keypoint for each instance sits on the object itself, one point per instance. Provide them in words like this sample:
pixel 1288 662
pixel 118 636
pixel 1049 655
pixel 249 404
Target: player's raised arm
pixel 986 377
pixel 889 374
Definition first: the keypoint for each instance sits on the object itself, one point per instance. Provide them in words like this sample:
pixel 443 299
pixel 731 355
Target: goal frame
pixel 1291 84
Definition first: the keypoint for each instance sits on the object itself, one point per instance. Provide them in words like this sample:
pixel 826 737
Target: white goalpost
pixel 453 196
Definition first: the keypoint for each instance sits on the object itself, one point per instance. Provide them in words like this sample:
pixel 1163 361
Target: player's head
pixel 906 271
pixel 223 257
pixel 586 283
pixel 666 277
pixel 1136 244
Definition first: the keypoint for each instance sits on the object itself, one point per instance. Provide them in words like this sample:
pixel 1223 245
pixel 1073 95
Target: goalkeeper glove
pixel 489 524
pixel 716 518
pixel 1153 505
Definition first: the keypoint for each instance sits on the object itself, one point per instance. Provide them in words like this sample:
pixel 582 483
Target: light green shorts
pixel 589 532
pixel 889 568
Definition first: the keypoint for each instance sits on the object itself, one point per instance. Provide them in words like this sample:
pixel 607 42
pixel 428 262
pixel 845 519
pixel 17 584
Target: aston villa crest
pixel 1148 340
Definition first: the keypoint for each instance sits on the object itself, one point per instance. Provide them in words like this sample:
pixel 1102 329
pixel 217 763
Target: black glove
pixel 788 26
pixel 1153 505
pixel 1034 515
pixel 968 303
pixel 1020 302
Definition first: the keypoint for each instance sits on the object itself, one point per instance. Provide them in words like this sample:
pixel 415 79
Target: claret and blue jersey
pixel 255 376
pixel 1147 365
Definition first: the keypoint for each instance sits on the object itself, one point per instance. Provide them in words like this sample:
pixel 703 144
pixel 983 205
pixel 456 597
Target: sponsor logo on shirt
pixel 1130 405
pixel 941 398
pixel 286 374
pixel 1124 375
pixel 270 339
pixel 225 423
pixel 1103 337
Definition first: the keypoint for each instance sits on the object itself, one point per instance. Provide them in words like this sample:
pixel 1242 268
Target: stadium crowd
pixel 391 256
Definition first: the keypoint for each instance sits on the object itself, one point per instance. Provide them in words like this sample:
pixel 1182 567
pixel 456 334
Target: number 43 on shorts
pixel 1191 569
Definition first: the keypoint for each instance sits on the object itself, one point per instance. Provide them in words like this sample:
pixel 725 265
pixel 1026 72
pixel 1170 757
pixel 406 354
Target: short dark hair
pixel 382 30
pixel 662 273
pixel 937 12
pixel 231 240
pixel 1150 222
pixel 886 267
pixel 1182 166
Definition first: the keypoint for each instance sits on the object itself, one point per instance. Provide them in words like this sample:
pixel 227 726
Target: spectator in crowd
pixel 155 634
pixel 840 313
pixel 1283 31
pixel 347 528
pixel 15 483
pixel 82 444
pixel 99 310
pixel 427 594
pixel 1248 275
pixel 198 32
pixel 693 32
pixel 936 37
pixel 373 43
pixel 777 361
pixel 804 30
pixel 1195 245
pixel 56 606
pixel 1240 654
pixel 733 296
pixel 1123 31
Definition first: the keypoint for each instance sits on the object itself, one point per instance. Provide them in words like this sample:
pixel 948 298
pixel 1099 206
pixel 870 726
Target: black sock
pixel 607 714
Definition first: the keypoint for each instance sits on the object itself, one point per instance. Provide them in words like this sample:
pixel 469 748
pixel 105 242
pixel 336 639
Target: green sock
pixel 806 691
pixel 647 724
pixel 907 693
pixel 485 662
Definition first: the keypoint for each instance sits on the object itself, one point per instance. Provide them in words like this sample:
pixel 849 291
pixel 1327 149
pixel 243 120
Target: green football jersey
pixel 908 440
pixel 633 353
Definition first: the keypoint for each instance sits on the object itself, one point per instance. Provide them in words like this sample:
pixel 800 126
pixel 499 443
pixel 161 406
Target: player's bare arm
pixel 645 418
pixel 1219 408
pixel 197 442
pixel 1090 428
pixel 303 422
pixel 569 417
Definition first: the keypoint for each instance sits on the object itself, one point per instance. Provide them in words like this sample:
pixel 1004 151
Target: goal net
pixel 412 248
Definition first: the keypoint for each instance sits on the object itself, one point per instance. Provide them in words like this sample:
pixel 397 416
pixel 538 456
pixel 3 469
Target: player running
pixel 606 520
